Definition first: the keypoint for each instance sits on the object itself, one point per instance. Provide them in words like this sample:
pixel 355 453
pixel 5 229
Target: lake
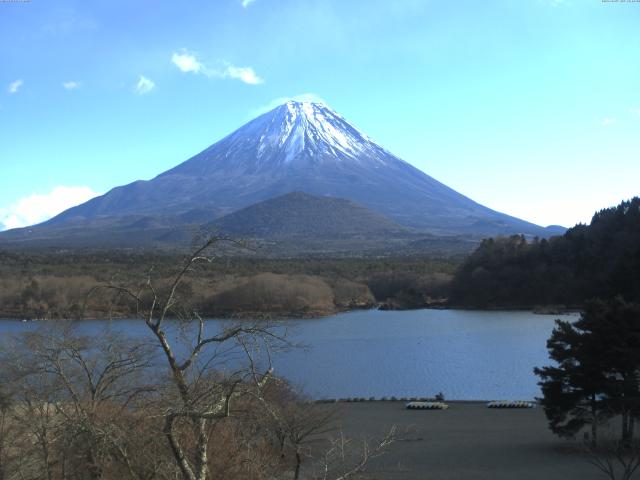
pixel 466 355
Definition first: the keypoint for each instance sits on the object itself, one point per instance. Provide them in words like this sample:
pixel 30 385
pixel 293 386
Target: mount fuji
pixel 296 147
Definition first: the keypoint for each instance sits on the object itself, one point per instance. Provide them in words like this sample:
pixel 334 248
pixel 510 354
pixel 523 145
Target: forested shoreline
pixel 57 285
pixel 597 260
pixel 546 275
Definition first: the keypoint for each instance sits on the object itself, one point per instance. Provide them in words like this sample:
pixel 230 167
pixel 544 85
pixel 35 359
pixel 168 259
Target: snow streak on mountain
pixel 312 128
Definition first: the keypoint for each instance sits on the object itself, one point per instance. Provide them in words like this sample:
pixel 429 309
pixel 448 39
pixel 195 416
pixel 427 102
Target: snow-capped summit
pixel 304 147
pixel 297 134
pixel 299 127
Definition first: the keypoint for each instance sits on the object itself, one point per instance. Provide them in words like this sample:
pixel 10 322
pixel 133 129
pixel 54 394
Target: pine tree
pixel 597 371
pixel 572 390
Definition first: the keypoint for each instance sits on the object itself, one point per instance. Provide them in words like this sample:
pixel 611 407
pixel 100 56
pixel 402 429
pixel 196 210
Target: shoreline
pixel 404 400
pixel 319 314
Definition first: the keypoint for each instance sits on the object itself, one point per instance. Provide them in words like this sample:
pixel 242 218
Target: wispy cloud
pixel 15 86
pixel 144 85
pixel 276 102
pixel 189 63
pixel 70 85
pixel 635 111
pixel 37 208
pixel 66 21
pixel 606 121
pixel 246 3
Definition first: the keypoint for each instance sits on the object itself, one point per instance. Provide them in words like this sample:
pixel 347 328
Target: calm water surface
pixel 467 355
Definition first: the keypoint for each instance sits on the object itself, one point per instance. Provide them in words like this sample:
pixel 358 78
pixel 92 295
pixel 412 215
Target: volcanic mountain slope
pixel 292 225
pixel 349 190
pixel 306 147
pixel 299 215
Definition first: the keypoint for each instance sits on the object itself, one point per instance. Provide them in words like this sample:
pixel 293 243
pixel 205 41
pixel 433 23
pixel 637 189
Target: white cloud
pixel 144 85
pixel 15 86
pixel 37 208
pixel 635 111
pixel 244 74
pixel 188 62
pixel 71 85
pixel 606 121
pixel 246 3
pixel 276 102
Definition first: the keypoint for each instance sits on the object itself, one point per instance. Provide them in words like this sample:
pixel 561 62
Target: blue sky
pixel 529 107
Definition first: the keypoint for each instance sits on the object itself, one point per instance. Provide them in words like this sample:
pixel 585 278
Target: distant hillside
pixel 601 259
pixel 126 233
pixel 300 215
pixel 292 225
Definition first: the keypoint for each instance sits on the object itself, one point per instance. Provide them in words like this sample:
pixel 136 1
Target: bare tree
pixel 617 459
pixel 7 435
pixel 73 394
pixel 201 395
pixel 297 423
pixel 97 407
pixel 345 458
pixel 36 413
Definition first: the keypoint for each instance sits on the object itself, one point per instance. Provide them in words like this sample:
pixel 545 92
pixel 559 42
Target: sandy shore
pixel 468 441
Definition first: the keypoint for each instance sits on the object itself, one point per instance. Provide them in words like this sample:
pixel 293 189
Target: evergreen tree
pixel 601 259
pixel 615 326
pixel 572 390
pixel 597 371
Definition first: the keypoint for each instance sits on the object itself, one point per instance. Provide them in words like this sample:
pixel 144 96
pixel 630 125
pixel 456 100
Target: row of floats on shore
pixel 493 404
pixel 432 404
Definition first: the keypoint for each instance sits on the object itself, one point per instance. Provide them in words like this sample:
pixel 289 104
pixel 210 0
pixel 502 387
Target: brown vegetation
pixel 55 285
pixel 279 294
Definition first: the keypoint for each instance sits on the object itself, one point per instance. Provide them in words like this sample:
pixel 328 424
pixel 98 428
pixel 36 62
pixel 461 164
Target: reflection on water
pixel 464 354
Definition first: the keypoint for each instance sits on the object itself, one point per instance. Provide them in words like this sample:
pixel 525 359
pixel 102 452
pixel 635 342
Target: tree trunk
pixel 296 476
pixel 625 426
pixel 94 468
pixel 5 444
pixel 594 421
pixel 202 467
pixel 2 435
pixel 46 455
pixel 176 450
pixel 63 465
